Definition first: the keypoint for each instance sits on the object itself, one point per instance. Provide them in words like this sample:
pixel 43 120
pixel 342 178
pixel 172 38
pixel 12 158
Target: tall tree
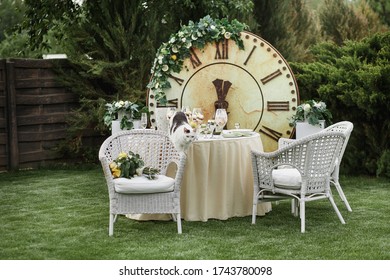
pixel 382 8
pixel 45 15
pixel 112 44
pixel 288 25
pixel 343 20
pixel 11 14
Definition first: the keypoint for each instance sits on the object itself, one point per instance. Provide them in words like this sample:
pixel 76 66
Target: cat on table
pixel 180 132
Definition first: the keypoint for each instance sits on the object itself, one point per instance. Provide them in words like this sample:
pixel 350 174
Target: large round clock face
pixel 255 85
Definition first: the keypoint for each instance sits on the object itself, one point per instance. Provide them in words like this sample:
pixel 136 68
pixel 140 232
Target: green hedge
pixel 354 81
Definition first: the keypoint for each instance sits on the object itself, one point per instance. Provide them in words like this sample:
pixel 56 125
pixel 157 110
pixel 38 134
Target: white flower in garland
pixel 175 49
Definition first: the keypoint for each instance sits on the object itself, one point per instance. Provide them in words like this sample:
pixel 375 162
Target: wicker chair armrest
pixel 107 174
pixel 283 142
pixel 180 171
pixel 281 156
pixel 292 155
pixel 266 162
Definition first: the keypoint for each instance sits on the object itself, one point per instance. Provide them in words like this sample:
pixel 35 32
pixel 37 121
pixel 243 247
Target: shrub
pixel 354 81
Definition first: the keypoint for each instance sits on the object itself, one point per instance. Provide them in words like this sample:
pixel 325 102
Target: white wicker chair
pixel 156 150
pixel 346 128
pixel 312 159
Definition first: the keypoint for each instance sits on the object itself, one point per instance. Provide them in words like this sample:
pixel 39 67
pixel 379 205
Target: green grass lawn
pixel 63 214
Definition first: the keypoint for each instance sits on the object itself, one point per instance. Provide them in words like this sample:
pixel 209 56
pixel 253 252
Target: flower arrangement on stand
pixel 129 165
pixel 312 112
pixel 310 117
pixel 171 55
pixel 122 111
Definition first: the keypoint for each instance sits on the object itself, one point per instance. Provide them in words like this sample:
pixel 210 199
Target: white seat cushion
pixel 287 178
pixel 141 184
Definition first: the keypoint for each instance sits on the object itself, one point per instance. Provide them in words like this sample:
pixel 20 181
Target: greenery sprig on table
pixel 171 55
pixel 129 165
pixel 312 112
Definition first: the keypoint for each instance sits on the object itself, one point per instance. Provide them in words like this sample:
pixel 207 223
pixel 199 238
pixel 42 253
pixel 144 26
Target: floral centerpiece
pixel 312 112
pixel 121 110
pixel 171 55
pixel 129 165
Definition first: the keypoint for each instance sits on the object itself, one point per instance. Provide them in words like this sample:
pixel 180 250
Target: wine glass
pixel 203 130
pixel 211 126
pixel 186 110
pixel 197 116
pixel 144 120
pixel 170 112
pixel 220 119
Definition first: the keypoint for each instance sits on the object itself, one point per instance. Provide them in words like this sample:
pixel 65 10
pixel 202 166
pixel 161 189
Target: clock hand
pixel 218 87
pixel 222 87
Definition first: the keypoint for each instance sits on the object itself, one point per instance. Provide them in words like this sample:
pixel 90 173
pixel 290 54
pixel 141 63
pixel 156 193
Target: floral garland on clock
pixel 171 55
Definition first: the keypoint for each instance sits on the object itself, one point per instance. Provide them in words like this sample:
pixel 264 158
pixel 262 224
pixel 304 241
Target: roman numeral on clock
pixel 170 103
pixel 273 134
pixel 194 59
pixel 271 76
pixel 278 105
pixel 250 54
pixel 173 102
pixel 222 49
pixel 177 79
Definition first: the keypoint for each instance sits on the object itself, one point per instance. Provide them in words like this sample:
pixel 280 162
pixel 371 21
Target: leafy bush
pixel 354 81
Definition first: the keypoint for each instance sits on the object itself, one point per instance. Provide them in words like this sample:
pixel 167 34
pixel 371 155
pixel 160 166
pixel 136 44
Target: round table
pixel 218 180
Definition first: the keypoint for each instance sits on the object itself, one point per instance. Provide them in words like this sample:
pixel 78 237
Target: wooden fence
pixel 33 112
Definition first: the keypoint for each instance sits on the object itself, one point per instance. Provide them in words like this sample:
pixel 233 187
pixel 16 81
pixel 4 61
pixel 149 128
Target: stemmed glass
pixel 220 119
pixel 144 120
pixel 211 126
pixel 170 112
pixel 197 116
pixel 187 110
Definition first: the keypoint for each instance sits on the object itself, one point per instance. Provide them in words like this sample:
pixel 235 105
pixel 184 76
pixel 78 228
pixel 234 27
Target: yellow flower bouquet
pixel 128 165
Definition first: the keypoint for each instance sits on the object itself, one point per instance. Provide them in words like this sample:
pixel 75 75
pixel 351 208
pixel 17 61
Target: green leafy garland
pixel 171 55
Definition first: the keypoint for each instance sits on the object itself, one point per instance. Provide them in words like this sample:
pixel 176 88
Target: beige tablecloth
pixel 218 180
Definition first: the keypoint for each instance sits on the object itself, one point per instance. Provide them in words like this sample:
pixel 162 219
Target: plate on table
pixel 241 130
pixel 235 133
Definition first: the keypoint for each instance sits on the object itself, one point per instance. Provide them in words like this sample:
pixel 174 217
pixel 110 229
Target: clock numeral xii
pixel 222 49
